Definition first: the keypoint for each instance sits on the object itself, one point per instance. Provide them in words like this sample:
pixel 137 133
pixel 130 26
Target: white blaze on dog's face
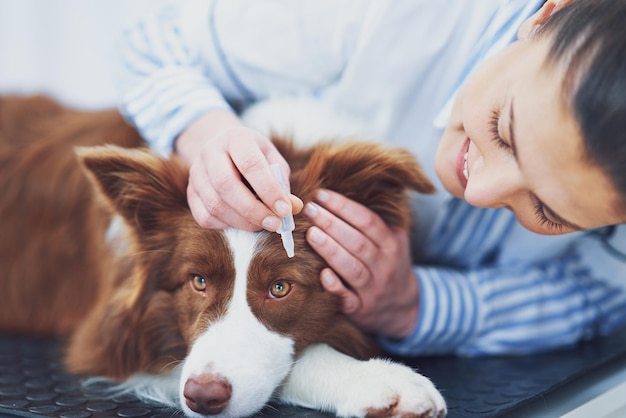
pixel 235 365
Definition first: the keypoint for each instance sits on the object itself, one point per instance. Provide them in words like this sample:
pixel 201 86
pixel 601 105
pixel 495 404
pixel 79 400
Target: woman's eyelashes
pixel 494 122
pixel 540 214
pixel 542 219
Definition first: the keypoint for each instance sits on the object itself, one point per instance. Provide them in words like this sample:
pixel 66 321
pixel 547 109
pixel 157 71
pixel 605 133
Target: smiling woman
pixel 519 142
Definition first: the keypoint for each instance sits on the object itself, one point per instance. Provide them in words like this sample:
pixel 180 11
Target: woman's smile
pixel 461 164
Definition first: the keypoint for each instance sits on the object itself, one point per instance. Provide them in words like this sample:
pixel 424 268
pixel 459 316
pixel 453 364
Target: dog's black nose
pixel 207 394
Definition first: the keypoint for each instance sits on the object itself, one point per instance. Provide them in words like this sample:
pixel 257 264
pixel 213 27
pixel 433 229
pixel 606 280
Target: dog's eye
pixel 198 283
pixel 280 289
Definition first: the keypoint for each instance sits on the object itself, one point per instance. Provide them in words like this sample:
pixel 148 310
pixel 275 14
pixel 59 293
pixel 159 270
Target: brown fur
pixel 131 309
pixel 52 243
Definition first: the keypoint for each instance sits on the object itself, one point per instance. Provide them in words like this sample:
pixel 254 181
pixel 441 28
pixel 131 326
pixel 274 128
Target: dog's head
pixel 229 303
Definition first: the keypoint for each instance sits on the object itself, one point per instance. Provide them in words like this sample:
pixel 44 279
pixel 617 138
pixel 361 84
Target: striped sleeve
pixel 517 309
pixel 163 84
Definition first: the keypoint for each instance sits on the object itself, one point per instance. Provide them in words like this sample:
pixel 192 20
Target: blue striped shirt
pixel 476 301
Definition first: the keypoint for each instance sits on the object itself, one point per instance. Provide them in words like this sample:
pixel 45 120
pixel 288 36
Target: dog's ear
pixel 129 330
pixel 141 186
pixel 374 175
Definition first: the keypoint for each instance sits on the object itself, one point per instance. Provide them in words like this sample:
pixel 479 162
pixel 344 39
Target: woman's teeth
pixel 465 170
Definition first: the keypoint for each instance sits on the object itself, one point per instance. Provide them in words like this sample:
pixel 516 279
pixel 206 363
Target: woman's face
pixel 512 143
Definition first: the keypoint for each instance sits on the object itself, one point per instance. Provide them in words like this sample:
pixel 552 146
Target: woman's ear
pixel 548 9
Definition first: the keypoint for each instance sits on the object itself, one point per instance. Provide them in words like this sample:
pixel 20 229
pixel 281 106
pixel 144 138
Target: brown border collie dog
pixel 99 248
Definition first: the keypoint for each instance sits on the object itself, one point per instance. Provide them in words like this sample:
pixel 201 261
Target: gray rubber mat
pixel 33 382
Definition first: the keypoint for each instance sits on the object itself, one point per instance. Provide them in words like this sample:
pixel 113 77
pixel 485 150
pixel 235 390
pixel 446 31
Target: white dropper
pixel 287 224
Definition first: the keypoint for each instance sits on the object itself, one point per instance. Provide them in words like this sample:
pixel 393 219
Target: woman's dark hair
pixel 589 37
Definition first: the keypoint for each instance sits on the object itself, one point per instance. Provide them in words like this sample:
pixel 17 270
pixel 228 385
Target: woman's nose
pixel 493 185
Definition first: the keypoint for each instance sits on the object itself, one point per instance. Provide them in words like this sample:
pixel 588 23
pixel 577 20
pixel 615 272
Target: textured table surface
pixel 33 382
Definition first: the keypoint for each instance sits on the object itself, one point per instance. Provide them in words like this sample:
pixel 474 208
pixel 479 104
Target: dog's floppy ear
pixel 126 332
pixel 140 186
pixel 369 173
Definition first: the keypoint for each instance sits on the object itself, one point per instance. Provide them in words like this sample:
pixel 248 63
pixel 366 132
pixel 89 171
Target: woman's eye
pixel 280 289
pixel 198 283
pixel 494 131
pixel 543 221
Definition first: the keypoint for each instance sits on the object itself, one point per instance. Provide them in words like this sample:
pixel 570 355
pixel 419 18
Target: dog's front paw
pixel 380 388
pixel 328 380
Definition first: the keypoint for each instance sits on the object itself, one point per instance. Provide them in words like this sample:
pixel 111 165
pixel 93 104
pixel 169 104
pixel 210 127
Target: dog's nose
pixel 207 394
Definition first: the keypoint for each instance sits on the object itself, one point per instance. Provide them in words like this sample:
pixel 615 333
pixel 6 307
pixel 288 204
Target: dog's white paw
pixel 328 380
pixel 380 388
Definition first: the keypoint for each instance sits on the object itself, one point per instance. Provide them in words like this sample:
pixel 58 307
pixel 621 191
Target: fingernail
pixel 282 208
pixel 323 196
pixel 271 223
pixel 311 209
pixel 316 235
pixel 327 278
pixel 296 204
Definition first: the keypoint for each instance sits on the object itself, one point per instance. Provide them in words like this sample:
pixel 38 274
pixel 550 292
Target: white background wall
pixel 64 48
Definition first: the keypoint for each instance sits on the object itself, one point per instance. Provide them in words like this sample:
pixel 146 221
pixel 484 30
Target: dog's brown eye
pixel 280 289
pixel 198 283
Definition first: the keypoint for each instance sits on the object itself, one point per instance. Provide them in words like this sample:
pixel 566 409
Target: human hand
pixel 379 291
pixel 223 154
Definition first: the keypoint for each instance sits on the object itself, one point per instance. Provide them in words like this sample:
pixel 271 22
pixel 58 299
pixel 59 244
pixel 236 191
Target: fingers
pixel 210 200
pixel 361 218
pixel 218 194
pixel 343 262
pixel 349 300
pixel 208 220
pixel 370 264
pixel 354 227
pixel 350 248
pixel 296 204
pixel 253 164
